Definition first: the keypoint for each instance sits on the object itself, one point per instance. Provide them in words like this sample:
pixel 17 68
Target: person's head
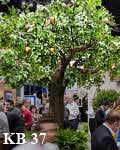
pixel 65 98
pixel 49 126
pixel 34 94
pixel 19 102
pixel 113 120
pixel 27 103
pixel 105 104
pixel 70 100
pixel 45 101
pixel 37 110
pixel 9 104
pixel 19 98
pixel 33 109
pixel 76 99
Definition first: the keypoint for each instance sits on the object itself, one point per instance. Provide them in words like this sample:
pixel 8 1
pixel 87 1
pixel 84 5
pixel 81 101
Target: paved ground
pixel 89 145
pixel 81 125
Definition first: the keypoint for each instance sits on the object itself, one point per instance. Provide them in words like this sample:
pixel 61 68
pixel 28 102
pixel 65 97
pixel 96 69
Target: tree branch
pixel 86 71
pixel 62 56
pixel 78 49
pixel 65 62
pixel 82 47
pixel 95 71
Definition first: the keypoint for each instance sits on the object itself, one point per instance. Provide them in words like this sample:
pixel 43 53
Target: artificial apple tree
pixel 57 46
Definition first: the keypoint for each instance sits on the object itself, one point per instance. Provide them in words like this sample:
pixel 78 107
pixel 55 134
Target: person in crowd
pixel 4 128
pixel 110 107
pixel 38 101
pixel 38 114
pixel 76 100
pixel 65 100
pixel 100 114
pixel 66 113
pixel 102 137
pixel 15 121
pixel 45 107
pixel 74 112
pixel 14 127
pixel 11 108
pixel 91 113
pixel 49 126
pixel 35 116
pixel 116 107
pixel 45 125
pixel 27 114
pixel 19 99
pixel 66 117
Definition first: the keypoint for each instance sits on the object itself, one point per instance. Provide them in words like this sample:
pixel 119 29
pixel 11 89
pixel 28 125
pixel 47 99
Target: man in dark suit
pixel 100 114
pixel 102 137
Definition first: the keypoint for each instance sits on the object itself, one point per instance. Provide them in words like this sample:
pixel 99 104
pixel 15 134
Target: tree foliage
pixel 109 96
pixel 74 36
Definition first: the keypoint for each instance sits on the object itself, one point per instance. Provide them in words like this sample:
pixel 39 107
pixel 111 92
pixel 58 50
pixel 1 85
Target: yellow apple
pixel 52 19
pixel 52 50
pixel 27 26
pixel 27 49
pixel 113 66
pixel 107 21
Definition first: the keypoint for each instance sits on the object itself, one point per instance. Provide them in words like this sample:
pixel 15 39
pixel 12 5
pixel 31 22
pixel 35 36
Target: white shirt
pixel 38 102
pixel 102 108
pixel 107 111
pixel 112 132
pixel 73 109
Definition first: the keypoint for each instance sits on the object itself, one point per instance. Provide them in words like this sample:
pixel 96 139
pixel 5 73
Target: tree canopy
pixel 72 37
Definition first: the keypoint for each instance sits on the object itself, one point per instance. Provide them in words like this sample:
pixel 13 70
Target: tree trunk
pixel 56 93
pixel 58 84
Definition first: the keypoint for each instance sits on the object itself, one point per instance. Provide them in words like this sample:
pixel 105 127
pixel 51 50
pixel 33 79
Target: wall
pixel 6 88
pixel 93 90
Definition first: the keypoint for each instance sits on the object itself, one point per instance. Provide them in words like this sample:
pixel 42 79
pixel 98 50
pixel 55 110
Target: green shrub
pixel 85 128
pixel 105 95
pixel 71 140
pixel 28 135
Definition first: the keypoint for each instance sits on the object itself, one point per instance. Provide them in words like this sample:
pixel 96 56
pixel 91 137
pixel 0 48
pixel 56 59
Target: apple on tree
pixel 27 49
pixel 52 50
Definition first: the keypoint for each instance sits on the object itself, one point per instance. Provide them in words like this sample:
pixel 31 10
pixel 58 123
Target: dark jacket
pixel 102 139
pixel 100 117
pixel 14 122
pixel 20 120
